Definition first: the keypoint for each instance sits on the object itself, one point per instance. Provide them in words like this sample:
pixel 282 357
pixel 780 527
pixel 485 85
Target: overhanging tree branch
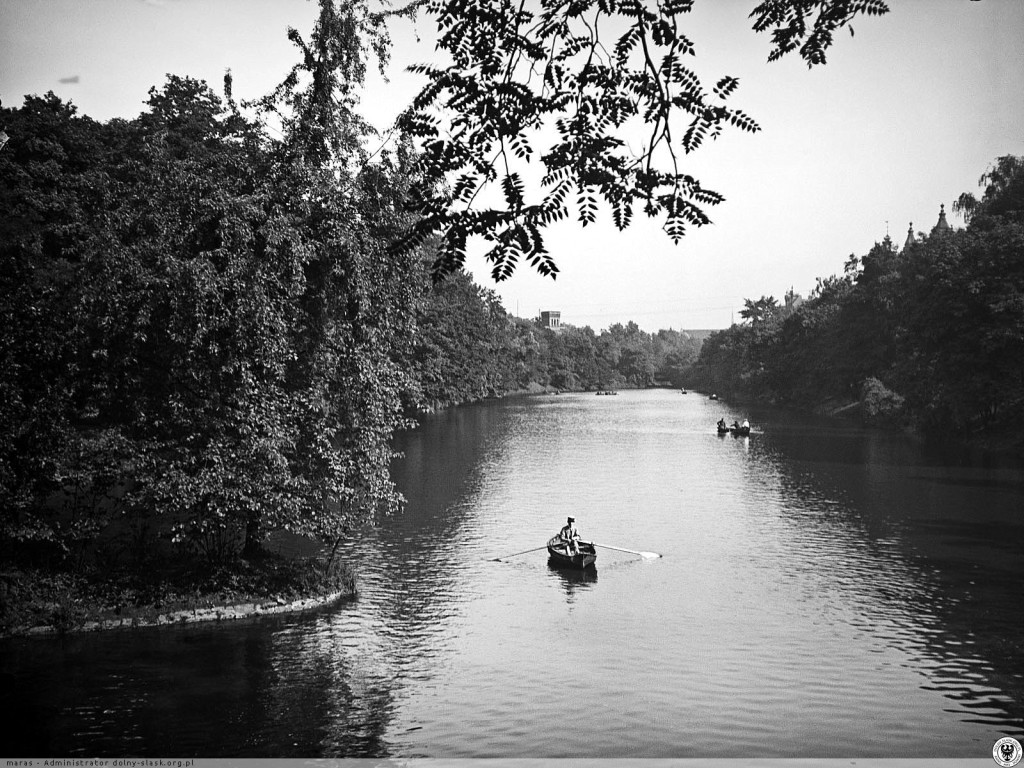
pixel 484 103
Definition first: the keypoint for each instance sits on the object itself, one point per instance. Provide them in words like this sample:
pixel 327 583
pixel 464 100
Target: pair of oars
pixel 647 555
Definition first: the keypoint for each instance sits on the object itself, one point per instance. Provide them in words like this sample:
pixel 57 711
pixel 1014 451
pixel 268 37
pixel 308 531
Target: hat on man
pixel 572 519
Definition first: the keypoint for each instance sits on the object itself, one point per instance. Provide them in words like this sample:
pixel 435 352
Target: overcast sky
pixel 908 113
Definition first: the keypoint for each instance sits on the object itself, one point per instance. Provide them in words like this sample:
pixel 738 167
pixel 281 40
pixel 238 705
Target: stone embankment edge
pixel 195 615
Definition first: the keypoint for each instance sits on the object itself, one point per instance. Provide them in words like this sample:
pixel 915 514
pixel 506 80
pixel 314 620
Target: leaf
pixel 725 87
pixel 512 186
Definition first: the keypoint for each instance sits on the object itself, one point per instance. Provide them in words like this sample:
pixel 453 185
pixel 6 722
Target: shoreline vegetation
pixel 37 602
pixel 926 336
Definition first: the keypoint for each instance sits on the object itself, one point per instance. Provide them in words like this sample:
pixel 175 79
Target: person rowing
pixel 570 536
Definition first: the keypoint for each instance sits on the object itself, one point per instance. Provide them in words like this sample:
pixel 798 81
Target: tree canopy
pixel 203 326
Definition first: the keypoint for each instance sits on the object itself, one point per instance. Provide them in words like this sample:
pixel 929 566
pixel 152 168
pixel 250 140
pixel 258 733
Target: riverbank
pixel 37 602
pixel 880 408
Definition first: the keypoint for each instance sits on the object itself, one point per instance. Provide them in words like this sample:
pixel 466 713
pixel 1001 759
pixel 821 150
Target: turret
pixel 941 226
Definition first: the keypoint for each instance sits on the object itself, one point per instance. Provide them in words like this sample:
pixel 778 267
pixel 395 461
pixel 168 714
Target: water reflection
pixel 921 553
pixel 572 580
pixel 265 689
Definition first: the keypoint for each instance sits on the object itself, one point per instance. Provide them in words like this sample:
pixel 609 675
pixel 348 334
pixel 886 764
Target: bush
pixel 880 405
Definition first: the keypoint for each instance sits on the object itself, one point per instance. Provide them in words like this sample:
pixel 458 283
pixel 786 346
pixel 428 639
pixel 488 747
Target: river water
pixel 823 590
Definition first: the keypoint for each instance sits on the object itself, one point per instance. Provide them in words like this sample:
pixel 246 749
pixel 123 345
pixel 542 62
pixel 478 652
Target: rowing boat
pixel 559 554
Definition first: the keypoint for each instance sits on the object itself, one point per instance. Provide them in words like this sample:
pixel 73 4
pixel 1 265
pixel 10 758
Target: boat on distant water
pixel 740 430
pixel 559 554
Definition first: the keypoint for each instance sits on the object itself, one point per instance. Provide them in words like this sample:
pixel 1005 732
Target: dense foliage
pixel 206 338
pixel 930 335
pixel 200 329
pixel 203 328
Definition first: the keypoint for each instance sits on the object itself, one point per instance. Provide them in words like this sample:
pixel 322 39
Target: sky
pixel 908 113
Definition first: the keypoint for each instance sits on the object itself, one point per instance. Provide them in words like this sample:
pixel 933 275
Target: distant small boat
pixel 683 392
pixel 713 397
pixel 736 429
pixel 559 554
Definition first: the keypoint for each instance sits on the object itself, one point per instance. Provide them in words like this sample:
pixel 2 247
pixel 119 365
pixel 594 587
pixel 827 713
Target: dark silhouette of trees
pixel 204 327
pixel 930 336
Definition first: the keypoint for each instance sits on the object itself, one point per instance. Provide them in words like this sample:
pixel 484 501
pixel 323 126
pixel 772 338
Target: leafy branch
pixel 484 118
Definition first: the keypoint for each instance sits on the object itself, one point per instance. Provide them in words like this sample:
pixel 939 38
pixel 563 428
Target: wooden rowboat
pixel 558 553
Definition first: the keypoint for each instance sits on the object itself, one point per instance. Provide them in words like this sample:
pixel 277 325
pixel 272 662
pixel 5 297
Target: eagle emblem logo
pixel 1007 752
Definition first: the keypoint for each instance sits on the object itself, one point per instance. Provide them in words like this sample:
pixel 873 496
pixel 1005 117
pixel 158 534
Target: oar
pixel 499 559
pixel 631 551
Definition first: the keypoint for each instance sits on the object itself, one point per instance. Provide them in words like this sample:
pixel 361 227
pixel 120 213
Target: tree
pixel 47 174
pixel 722 362
pixel 675 353
pixel 519 73
pixel 760 312
pixel 465 347
pixel 572 358
pixel 208 323
pixel 1004 190
pixel 961 350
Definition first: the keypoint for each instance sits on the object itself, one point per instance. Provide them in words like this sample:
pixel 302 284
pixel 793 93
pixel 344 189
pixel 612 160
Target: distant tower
pixel 551 319
pixel 910 237
pixel 941 226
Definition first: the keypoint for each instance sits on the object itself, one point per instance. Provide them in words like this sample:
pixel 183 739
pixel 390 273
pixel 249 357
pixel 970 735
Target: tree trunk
pixel 253 538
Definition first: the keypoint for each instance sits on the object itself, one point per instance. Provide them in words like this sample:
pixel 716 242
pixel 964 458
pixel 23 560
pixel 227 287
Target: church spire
pixel 941 226
pixel 910 237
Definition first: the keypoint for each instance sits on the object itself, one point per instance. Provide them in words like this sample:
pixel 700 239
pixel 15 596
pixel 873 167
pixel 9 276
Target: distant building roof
pixel 700 334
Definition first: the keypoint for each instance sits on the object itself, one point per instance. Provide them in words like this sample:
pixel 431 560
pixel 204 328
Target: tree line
pixel 468 348
pixel 928 336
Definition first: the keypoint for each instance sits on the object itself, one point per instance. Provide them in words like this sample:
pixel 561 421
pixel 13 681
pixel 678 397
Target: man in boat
pixel 570 536
pixel 722 426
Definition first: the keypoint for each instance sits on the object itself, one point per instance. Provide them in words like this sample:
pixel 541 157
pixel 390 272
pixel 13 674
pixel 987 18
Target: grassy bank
pixel 35 601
